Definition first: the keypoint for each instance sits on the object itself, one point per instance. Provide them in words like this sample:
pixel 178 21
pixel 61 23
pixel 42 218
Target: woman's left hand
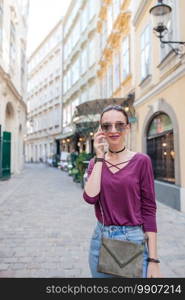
pixel 153 270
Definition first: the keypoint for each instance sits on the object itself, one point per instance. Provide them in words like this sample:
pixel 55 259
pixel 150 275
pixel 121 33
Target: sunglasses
pixel 120 126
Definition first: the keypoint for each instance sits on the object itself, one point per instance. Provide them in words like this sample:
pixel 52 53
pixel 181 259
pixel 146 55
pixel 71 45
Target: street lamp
pixel 161 15
pixel 129 108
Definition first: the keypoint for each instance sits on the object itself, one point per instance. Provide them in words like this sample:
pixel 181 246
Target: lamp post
pixel 161 15
pixel 129 108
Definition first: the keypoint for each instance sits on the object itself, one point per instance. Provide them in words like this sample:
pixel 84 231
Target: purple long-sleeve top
pixel 128 196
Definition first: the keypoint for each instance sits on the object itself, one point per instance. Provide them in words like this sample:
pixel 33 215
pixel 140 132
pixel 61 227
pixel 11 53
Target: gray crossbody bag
pixel 120 258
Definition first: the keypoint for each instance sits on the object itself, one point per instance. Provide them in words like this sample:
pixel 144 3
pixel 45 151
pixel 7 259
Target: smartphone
pixel 103 140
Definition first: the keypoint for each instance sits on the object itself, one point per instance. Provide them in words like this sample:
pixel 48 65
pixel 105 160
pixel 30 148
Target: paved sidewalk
pixel 46 227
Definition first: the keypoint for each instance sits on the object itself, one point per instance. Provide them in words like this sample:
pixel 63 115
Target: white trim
pixel 177 20
pixel 161 86
pixel 146 26
pixel 139 11
pixel 182 199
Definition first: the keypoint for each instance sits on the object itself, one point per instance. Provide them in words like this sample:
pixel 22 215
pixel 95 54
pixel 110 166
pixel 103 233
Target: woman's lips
pixel 114 137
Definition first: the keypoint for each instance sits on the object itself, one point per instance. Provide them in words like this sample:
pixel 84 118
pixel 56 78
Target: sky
pixel 43 16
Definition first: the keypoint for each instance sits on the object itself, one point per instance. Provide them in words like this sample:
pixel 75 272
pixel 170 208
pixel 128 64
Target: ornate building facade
pixel 13 69
pixel 44 97
pixel 159 91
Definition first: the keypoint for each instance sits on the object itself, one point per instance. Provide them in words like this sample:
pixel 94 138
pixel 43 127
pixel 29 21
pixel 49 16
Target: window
pixel 92 52
pixel 84 19
pixel 68 114
pixel 145 52
pixel 104 87
pixel 12 44
pixel 109 81
pixel 109 19
pixel 68 79
pixel 116 70
pixel 23 63
pixel 64 116
pixel 83 97
pixel 160 147
pixel 116 8
pixel 125 57
pixel 104 35
pixel 24 6
pixel 75 71
pixel 65 84
pixel 75 34
pixel 84 61
pixel 74 105
pixel 92 8
pixel 65 51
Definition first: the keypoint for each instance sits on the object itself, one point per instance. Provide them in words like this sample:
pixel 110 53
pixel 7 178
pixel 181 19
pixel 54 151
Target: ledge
pixel 166 60
pixel 145 81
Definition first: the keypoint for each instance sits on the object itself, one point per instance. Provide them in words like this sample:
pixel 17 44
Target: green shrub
pixel 80 165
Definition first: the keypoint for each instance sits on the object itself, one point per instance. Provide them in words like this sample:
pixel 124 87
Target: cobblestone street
pixel 46 227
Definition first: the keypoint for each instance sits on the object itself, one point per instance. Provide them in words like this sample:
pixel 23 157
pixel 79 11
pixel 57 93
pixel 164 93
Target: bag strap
pixel 103 224
pixel 102 214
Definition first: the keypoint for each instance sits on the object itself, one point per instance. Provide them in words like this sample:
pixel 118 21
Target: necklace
pixel 117 151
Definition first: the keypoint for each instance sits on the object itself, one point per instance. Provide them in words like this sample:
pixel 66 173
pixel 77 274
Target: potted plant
pixel 81 165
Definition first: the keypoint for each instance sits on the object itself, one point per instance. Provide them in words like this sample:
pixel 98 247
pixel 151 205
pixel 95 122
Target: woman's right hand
pixel 99 144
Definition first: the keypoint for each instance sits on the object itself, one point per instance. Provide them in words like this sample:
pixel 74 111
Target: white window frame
pixel 110 80
pixel 109 19
pixel 104 35
pixel 13 52
pixel 92 8
pixel 84 19
pixel 125 57
pixel 84 63
pixel 145 45
pixel 92 52
pixel 116 9
pixel 116 75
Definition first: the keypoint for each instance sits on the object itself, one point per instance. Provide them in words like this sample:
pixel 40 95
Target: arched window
pixel 160 147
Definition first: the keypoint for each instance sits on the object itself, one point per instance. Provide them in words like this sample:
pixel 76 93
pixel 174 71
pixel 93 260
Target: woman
pixel 122 181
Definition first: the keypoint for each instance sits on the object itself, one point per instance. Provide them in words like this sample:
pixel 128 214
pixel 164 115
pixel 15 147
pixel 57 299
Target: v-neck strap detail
pixel 112 165
pixel 106 162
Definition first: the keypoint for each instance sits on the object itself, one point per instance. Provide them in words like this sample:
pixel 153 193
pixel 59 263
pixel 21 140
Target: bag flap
pixel 122 251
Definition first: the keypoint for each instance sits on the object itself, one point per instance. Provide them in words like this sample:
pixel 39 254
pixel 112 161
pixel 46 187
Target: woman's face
pixel 115 127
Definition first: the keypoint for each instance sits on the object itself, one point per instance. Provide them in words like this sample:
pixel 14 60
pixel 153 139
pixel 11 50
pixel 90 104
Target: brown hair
pixel 115 107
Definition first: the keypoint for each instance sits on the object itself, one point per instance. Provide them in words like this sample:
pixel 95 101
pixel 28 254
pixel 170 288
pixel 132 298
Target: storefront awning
pixel 65 135
pixel 96 106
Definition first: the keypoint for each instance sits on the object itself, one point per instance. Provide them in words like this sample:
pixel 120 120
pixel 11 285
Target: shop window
pixel 160 147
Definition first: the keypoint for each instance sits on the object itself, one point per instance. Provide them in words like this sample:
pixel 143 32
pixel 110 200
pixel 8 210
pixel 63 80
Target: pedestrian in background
pixel 123 182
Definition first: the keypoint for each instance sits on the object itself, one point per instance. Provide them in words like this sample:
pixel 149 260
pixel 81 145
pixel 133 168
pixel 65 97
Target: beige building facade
pixel 13 68
pixel 132 65
pixel 111 52
pixel 116 52
pixel 44 97
pixel 159 103
pixel 80 62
